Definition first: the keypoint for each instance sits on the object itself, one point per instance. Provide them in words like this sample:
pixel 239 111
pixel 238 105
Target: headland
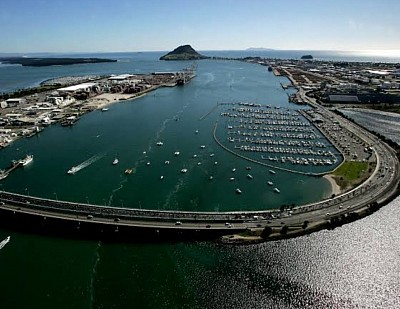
pixel 184 52
pixel 41 61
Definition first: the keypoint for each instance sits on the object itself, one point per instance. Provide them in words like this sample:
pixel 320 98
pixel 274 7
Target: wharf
pixel 14 165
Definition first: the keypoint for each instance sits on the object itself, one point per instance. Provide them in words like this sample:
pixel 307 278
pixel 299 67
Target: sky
pixel 162 25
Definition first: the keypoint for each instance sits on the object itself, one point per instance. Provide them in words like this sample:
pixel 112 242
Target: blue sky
pixel 159 25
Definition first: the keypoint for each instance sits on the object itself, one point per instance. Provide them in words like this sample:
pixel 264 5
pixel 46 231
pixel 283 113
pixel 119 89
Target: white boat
pixel 166 162
pixel 203 146
pixel 162 177
pixel 160 143
pixel 104 109
pixel 115 162
pixel 211 155
pixel 238 191
pixel 211 177
pixel 4 242
pixel 215 163
pixel 249 176
pixel 233 170
pixel 270 183
pixel 148 163
pixel 176 153
pixel 28 159
pixel 272 171
pixel 184 170
pixel 72 170
pixel 197 131
pixel 248 168
pixel 277 190
pixel 231 179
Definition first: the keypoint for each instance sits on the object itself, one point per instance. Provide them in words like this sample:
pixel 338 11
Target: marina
pixel 284 138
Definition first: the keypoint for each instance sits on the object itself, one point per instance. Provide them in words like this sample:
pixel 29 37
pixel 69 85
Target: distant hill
pixel 184 52
pixel 41 62
pixel 307 57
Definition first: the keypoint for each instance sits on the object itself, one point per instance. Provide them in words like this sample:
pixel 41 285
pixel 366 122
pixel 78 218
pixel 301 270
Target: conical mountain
pixel 183 52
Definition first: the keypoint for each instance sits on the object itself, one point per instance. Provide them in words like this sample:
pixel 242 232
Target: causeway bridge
pixel 23 211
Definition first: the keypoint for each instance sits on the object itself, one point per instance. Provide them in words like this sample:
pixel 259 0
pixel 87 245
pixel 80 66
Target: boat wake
pixel 121 186
pixel 4 242
pixel 88 162
pixel 171 195
pixel 94 272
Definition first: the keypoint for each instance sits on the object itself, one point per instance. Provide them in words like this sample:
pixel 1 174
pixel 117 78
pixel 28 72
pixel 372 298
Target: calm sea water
pixel 354 266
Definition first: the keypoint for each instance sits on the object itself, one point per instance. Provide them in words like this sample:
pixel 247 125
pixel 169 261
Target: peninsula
pixel 41 62
pixel 183 52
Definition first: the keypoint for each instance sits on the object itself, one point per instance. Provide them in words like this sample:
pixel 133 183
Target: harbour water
pixel 354 266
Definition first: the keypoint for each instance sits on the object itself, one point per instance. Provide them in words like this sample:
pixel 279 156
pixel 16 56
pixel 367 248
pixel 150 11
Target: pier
pixel 14 165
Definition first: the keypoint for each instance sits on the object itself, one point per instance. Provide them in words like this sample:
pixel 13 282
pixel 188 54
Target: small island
pixel 41 62
pixel 307 57
pixel 183 52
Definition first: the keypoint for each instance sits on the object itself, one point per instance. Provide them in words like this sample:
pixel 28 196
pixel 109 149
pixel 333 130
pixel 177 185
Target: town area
pixel 66 99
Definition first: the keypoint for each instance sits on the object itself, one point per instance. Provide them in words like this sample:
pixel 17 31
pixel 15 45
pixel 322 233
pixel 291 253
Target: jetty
pixel 14 165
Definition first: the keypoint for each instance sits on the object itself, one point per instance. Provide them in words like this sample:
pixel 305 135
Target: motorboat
pixel 277 190
pixel 183 171
pixel 72 170
pixel 115 162
pixel 4 242
pixel 238 191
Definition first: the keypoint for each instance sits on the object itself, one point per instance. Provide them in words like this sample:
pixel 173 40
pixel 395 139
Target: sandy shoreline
pixel 335 187
pixel 105 99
